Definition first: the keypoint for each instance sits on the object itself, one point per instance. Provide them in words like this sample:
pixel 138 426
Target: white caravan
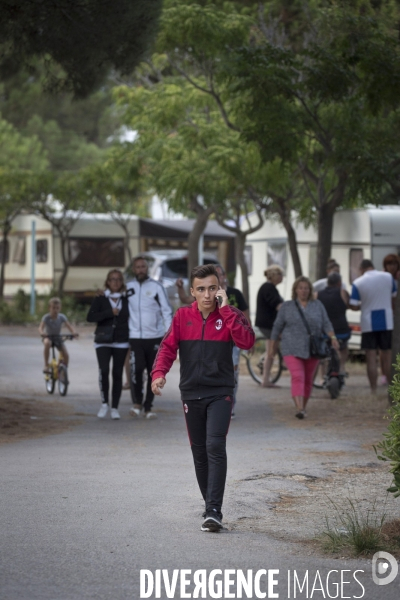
pixel 361 233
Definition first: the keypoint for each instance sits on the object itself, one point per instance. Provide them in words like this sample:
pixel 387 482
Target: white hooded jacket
pixel 150 313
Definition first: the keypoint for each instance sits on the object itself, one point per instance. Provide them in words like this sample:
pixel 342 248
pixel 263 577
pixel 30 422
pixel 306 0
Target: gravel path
pixel 84 510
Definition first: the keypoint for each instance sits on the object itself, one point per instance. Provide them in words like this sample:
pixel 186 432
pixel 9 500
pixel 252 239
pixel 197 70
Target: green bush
pixel 16 311
pixel 10 313
pixel 21 301
pixel 389 448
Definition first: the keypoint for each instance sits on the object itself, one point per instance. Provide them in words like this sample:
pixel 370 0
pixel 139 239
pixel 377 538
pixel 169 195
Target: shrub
pixel 21 301
pixel 389 448
pixel 11 314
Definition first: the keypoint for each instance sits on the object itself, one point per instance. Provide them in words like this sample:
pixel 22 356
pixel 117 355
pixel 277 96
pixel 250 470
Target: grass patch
pixel 353 531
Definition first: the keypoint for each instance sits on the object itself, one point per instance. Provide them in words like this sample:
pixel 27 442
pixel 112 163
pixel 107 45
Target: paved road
pixel 82 512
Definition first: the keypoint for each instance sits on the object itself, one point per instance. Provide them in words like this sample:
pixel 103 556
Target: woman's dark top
pixel 268 299
pixel 101 313
pixel 336 309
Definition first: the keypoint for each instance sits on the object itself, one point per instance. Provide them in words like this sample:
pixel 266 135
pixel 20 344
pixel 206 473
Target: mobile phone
pixel 219 300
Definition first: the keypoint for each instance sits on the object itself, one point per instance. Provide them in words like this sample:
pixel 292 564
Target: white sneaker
pixel 150 415
pixel 103 411
pixel 135 412
pixel 115 414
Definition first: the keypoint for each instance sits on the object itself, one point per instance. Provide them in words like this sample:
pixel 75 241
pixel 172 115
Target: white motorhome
pixel 360 233
pixel 96 244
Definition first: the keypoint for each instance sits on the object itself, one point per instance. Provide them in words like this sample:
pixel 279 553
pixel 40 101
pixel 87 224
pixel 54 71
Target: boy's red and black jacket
pixel 205 349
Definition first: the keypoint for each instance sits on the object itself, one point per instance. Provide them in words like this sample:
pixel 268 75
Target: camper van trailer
pixel 361 233
pixel 96 244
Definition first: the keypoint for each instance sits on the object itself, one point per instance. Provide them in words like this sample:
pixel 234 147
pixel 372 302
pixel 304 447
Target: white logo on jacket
pixel 218 324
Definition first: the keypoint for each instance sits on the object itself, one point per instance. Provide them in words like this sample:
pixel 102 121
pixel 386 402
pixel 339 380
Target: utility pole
pixel 33 265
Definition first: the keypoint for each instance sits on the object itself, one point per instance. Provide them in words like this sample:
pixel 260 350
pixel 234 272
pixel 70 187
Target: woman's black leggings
pixel 104 355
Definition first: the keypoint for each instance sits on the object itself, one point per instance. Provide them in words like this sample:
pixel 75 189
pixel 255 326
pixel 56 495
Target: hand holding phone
pixel 220 298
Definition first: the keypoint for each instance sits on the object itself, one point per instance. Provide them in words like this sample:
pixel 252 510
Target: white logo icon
pixel 381 561
pixel 218 324
pixel 186 408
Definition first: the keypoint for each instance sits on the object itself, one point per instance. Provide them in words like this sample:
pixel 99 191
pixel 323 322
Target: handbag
pixel 105 333
pixel 318 344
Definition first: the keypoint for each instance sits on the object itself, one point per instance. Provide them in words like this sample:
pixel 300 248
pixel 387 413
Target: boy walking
pixel 204 333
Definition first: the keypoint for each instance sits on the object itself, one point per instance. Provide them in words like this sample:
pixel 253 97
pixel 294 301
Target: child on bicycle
pixel 51 325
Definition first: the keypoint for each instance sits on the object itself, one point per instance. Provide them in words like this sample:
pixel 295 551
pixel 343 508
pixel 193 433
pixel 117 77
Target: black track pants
pixel 104 355
pixel 142 357
pixel 207 422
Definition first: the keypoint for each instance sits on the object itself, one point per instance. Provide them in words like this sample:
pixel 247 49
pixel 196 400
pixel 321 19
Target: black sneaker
pixel 212 522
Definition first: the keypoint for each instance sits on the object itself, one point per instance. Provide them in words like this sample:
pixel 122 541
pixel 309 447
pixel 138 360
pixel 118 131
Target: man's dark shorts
pixel 372 340
pixel 266 332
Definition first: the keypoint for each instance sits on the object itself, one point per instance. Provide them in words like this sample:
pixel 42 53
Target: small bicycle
pixel 255 361
pixel 58 370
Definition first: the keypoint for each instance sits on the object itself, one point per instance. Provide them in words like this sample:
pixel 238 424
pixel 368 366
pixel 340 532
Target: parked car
pixel 166 266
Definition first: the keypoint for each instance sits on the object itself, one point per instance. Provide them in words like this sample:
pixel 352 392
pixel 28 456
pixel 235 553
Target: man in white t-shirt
pixel 372 293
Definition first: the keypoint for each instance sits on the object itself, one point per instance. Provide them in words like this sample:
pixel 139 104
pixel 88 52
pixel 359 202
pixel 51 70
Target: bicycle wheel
pixel 62 380
pixel 276 368
pixel 50 382
pixel 255 362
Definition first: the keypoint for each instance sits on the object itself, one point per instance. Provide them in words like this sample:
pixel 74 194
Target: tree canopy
pixel 314 85
pixel 85 37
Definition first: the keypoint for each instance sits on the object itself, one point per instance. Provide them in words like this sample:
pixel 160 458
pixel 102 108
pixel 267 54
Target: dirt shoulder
pixel 26 419
pixel 294 507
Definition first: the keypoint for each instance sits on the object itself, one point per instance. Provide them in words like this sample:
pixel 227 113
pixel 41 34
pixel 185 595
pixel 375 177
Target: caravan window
pixel 41 251
pixel 19 251
pixel 356 256
pixel 96 252
pixel 248 257
pixel 277 254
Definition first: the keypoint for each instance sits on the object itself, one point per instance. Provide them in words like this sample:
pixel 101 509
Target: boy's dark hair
pixel 366 264
pixel 202 272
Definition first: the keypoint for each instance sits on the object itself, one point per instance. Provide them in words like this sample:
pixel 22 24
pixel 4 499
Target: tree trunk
pixel 294 252
pixel 6 231
pixel 240 244
pixel 127 246
pixel 127 236
pixel 324 244
pixel 65 259
pixel 203 214
pixel 284 215
pixel 395 337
